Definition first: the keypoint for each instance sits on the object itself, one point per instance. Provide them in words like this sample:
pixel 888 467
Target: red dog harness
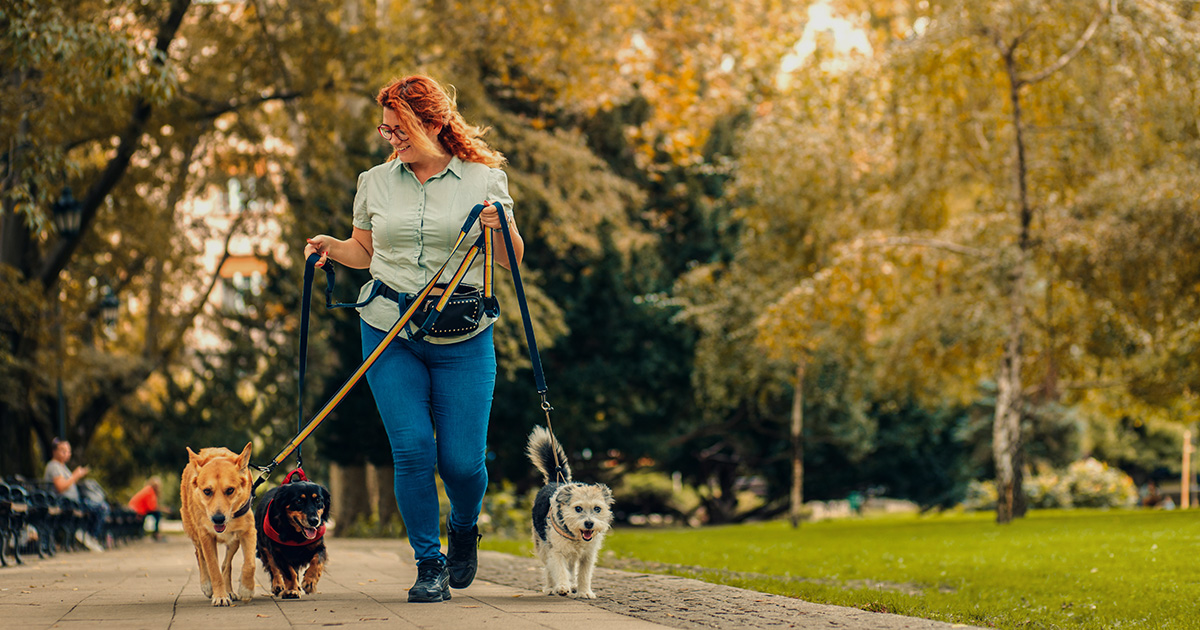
pixel 271 531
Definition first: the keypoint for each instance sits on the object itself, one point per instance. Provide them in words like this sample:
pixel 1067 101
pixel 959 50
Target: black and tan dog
pixel 290 521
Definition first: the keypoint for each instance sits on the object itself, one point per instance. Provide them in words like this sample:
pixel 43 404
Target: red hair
pixel 418 101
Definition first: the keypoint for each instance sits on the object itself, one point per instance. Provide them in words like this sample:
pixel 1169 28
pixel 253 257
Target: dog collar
pixel 273 534
pixel 561 530
pixel 245 508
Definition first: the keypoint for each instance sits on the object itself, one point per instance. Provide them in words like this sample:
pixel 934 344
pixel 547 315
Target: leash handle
pixel 305 307
pixel 297 473
pixel 538 377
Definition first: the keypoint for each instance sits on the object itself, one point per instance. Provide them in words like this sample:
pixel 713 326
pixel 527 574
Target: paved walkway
pixel 156 586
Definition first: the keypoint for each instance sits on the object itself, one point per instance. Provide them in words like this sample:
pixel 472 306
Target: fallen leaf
pixel 262 615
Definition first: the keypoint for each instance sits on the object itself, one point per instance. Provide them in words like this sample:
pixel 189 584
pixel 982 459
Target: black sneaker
pixel 461 559
pixel 432 582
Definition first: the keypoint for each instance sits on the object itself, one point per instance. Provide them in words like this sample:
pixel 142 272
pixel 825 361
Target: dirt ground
pixel 687 603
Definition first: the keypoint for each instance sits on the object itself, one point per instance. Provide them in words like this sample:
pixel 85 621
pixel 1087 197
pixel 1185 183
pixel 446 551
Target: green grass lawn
pixel 1052 569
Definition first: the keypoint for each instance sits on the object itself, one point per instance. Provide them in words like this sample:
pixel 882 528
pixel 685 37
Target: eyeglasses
pixel 387 132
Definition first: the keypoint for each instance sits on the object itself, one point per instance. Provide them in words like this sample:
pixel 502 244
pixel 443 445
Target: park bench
pixel 13 508
pixel 124 524
pixel 72 519
pixel 44 515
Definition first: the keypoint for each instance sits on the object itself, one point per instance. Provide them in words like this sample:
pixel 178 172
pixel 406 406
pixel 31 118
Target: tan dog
pixel 215 491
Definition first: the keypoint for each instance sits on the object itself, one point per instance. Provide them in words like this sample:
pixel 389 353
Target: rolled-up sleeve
pixel 362 219
pixel 498 191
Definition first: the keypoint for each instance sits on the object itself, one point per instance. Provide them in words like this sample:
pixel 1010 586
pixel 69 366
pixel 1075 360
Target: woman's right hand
pixel 319 244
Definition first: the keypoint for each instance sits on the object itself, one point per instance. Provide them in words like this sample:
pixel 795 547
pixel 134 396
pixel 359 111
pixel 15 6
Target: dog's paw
pixel 557 590
pixel 276 589
pixel 588 594
pixel 206 588
pixel 310 586
pixel 292 594
pixel 245 593
pixel 221 600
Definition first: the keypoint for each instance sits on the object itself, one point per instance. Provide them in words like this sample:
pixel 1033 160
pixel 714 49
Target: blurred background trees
pixel 972 225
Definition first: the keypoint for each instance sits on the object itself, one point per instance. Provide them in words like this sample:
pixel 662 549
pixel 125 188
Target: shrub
pixel 1086 483
pixel 1093 483
pixel 505 514
pixel 981 496
pixel 652 492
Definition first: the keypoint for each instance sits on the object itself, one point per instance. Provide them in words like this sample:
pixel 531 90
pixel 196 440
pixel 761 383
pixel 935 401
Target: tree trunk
pixel 797 499
pixel 349 485
pixel 385 502
pixel 1006 428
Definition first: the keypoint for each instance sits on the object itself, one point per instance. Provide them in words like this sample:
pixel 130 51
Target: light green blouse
pixel 414 226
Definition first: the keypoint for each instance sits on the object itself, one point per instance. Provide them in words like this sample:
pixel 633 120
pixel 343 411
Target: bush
pixel 1093 483
pixel 652 492
pixel 1088 483
pixel 981 496
pixel 505 514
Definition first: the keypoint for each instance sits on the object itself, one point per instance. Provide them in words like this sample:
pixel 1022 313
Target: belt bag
pixel 462 313
pixel 464 309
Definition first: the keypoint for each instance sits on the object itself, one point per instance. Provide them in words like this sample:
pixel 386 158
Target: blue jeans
pixel 435 401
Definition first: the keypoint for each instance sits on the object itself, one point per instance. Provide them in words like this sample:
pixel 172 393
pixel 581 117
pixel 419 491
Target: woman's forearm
pixel 350 253
pixel 502 249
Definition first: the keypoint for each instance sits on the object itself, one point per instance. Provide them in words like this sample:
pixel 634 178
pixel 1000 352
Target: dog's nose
pixel 588 524
pixel 218 518
pixel 313 521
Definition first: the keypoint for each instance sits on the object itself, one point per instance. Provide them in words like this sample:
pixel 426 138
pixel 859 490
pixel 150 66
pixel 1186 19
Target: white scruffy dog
pixel 569 520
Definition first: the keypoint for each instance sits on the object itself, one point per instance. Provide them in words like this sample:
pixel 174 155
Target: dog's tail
pixel 547 455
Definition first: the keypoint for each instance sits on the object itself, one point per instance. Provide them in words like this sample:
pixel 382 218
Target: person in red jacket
pixel 145 503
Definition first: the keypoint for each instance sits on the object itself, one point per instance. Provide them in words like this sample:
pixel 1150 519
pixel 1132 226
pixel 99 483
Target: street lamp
pixel 68 217
pixel 68 213
pixel 110 307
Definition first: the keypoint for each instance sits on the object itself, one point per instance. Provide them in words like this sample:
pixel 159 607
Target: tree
pixel 963 223
pixel 182 85
pixel 51 55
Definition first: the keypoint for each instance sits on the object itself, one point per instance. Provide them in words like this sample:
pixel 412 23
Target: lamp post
pixel 68 216
pixel 110 306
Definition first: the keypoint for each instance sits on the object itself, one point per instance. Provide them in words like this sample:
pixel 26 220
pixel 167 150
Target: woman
pixel 434 395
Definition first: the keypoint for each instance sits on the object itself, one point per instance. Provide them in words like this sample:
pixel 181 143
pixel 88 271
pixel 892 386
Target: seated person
pixel 145 503
pixel 67 483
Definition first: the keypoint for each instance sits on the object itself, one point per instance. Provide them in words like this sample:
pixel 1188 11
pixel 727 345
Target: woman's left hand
pixel 490 217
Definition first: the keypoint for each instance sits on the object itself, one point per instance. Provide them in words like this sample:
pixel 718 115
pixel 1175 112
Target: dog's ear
pixel 193 458
pixel 563 496
pixel 325 500
pixel 244 459
pixel 608 497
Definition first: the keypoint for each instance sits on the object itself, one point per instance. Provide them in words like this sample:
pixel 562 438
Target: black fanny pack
pixel 463 312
